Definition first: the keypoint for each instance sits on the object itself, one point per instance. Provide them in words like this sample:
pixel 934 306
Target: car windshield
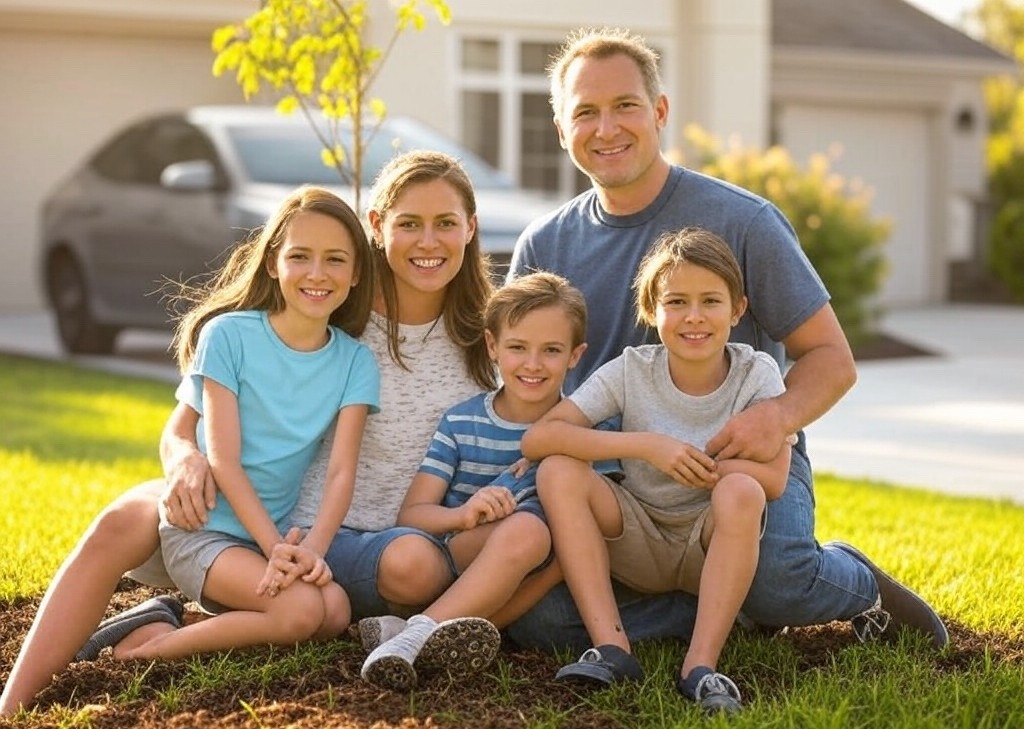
pixel 290 154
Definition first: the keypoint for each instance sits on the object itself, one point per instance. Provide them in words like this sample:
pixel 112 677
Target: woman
pixel 426 330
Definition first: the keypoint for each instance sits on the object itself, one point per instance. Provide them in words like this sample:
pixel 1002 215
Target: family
pixel 603 450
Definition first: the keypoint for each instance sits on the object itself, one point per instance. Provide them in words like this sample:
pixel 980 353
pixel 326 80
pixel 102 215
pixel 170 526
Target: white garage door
pixel 890 151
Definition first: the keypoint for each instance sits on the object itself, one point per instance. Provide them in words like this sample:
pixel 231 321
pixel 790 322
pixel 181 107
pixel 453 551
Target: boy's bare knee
pixel 560 475
pixel 412 571
pixel 523 541
pixel 737 496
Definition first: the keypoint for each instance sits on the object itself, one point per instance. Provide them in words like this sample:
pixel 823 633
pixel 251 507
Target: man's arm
pixel 191 490
pixel 823 370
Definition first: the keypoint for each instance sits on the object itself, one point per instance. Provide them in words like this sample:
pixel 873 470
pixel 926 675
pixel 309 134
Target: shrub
pixel 1005 162
pixel 1006 246
pixel 829 213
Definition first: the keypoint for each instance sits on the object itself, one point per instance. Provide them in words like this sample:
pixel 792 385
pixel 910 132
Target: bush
pixel 830 216
pixel 1005 162
pixel 1006 246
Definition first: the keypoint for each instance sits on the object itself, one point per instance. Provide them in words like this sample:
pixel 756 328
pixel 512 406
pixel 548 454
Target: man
pixel 609 110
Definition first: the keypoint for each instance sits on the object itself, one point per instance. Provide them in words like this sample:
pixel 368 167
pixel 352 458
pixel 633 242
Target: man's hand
pixel 191 491
pixel 754 434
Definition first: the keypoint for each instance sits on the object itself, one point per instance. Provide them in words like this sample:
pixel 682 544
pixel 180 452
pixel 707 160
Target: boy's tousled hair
pixel 603 43
pixel 509 304
pixel 467 293
pixel 244 281
pixel 690 245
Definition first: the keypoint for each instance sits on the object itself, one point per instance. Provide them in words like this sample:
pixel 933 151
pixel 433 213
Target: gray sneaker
pixel 714 692
pixel 898 606
pixel 379 629
pixel 458 647
pixel 163 609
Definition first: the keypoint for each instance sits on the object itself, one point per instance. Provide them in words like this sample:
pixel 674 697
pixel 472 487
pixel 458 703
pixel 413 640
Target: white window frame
pixel 510 85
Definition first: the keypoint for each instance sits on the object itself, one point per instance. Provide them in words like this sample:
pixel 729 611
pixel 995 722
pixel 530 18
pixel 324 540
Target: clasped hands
pixel 291 560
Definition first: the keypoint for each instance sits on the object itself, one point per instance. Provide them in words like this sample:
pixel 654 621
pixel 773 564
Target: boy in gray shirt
pixel 678 509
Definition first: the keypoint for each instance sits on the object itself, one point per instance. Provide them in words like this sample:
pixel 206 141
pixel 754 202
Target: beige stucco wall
pixel 77 69
pixel 715 56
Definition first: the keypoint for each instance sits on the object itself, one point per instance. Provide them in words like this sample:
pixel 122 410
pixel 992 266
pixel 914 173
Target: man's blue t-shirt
pixel 600 253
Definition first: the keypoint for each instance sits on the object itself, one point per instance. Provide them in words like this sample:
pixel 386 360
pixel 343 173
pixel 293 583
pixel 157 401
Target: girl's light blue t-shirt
pixel 286 401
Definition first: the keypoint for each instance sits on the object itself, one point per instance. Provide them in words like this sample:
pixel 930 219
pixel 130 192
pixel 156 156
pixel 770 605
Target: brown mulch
pixel 335 698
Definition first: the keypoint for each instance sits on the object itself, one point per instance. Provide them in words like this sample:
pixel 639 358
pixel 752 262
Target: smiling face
pixel 533 356
pixel 315 268
pixel 424 233
pixel 694 314
pixel 610 126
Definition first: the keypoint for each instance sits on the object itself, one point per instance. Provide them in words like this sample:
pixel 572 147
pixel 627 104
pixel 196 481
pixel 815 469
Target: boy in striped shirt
pixel 475 489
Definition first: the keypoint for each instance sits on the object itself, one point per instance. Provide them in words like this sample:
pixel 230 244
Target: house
pixel 898 92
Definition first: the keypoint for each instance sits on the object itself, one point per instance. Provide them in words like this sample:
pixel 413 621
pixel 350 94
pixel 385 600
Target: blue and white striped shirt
pixel 473 446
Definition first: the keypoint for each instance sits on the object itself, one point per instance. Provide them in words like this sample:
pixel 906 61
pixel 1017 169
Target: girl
pixel 679 519
pixel 270 363
pixel 426 331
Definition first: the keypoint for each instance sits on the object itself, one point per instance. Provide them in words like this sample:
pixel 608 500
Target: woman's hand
pixel 191 491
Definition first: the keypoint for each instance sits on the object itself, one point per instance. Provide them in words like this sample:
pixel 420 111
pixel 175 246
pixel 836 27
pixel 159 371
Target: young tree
pixel 315 56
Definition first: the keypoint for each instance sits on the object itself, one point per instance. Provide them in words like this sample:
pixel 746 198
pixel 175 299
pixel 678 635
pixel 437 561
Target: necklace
pixel 382 325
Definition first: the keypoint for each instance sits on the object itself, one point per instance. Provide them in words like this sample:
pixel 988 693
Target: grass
pixel 73 439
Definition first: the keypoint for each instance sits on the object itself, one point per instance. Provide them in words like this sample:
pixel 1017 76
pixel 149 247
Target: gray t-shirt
pixel 600 253
pixel 637 386
pixel 395 440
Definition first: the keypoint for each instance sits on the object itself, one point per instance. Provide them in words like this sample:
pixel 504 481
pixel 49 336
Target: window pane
pixel 534 57
pixel 541 153
pixel 481 124
pixel 479 54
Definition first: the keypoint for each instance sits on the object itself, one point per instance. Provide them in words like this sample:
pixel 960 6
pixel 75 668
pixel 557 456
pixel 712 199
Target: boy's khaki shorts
pixel 658 554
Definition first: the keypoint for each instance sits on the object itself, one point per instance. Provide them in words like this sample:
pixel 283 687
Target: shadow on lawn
pixel 335 697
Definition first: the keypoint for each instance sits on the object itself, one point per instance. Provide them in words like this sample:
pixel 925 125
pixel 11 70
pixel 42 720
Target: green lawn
pixel 72 439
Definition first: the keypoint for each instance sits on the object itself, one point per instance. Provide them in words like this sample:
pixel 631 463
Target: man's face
pixel 607 122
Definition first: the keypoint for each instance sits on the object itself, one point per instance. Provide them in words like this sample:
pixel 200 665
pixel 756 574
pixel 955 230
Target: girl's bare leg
pixel 122 537
pixel 294 615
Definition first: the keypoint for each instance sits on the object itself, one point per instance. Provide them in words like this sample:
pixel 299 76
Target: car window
pixel 120 159
pixel 170 141
pixel 141 153
pixel 290 154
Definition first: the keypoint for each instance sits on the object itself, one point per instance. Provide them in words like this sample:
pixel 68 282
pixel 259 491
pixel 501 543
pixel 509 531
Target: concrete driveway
pixel 952 422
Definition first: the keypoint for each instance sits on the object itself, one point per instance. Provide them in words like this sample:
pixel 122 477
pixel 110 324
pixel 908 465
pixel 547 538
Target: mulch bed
pixel 336 698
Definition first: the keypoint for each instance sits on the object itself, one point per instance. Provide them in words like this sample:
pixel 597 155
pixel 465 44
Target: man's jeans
pixel 796 583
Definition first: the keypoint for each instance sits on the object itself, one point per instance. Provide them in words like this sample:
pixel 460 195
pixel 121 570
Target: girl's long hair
pixel 244 282
pixel 467 293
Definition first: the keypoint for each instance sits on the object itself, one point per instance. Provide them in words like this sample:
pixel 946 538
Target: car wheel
pixel 69 296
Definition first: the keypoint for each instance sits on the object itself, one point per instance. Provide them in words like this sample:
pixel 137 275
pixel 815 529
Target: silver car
pixel 167 197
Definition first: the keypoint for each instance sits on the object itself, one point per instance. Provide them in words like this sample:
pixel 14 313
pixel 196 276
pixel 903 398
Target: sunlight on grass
pixel 953 551
pixel 72 440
